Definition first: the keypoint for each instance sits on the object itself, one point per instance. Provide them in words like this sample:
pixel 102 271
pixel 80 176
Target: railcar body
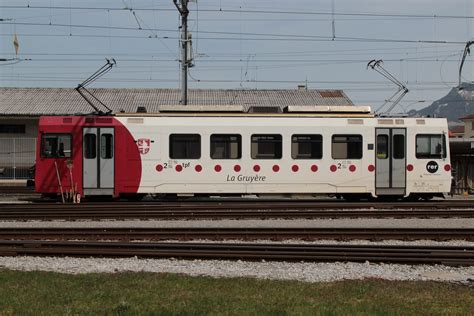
pixel 219 154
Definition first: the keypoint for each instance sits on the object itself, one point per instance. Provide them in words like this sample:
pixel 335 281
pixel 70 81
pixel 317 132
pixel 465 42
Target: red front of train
pixel 66 144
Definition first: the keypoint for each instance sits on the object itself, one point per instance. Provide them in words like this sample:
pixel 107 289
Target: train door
pixel 390 161
pixel 98 160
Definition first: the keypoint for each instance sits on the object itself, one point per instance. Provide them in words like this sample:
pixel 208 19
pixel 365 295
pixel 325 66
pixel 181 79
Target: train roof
pixel 236 110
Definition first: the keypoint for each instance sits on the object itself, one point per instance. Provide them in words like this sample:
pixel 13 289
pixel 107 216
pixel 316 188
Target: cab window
pixel 430 146
pixel 56 146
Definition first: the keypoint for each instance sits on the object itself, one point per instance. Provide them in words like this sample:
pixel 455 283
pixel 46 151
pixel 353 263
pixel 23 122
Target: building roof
pixel 458 129
pixel 467 117
pixel 64 101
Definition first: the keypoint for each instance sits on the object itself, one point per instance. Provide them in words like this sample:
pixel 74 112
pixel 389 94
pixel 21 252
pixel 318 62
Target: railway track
pixel 240 210
pixel 355 253
pixel 195 233
pixel 17 190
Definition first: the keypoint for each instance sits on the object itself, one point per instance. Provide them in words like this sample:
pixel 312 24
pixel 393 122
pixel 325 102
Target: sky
pixel 242 44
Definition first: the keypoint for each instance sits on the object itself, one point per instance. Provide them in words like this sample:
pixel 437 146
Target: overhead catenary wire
pixel 221 10
pixel 258 36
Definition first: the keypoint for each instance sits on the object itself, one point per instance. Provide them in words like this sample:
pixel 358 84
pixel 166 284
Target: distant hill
pixel 457 103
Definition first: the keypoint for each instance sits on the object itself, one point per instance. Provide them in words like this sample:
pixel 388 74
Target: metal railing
pixel 17 156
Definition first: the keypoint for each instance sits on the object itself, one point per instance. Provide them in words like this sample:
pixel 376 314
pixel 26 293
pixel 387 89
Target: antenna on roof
pixel 400 93
pixel 467 51
pixel 87 95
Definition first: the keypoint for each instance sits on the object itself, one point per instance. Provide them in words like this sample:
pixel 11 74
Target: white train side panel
pixel 201 174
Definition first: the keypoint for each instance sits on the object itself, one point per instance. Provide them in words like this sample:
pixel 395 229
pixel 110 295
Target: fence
pixel 17 156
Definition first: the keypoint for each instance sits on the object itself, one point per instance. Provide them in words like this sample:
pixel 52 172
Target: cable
pixel 285 37
pixel 220 10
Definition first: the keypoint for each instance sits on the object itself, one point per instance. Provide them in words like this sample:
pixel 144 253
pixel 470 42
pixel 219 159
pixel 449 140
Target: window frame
pixel 85 151
pixel 239 142
pixel 431 156
pixel 347 142
pixel 387 149
pixel 111 147
pixel 57 136
pixel 170 145
pixel 321 141
pixel 7 128
pixel 395 154
pixel 266 135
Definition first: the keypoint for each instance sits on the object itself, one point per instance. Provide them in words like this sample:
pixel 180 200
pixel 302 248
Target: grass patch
pixel 47 293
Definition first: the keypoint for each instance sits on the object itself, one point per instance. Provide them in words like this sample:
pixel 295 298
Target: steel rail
pixel 193 233
pixel 251 203
pixel 72 214
pixel 282 252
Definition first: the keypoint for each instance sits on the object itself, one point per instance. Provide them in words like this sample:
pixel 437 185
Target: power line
pixel 360 14
pixel 285 37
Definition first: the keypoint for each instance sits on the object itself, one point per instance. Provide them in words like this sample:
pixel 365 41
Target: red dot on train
pixel 371 168
pixel 159 168
pixel 410 167
pixel 198 168
pixel 295 168
pixel 256 168
pixel 352 168
pixel 218 168
pixel 179 168
pixel 333 168
pixel 314 168
pixel 447 167
pixel 237 168
pixel 276 168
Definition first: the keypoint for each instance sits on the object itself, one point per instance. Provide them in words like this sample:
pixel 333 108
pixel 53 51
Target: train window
pixel 430 146
pixel 306 146
pixel 56 146
pixel 106 146
pixel 382 146
pixel 226 146
pixel 266 146
pixel 398 146
pixel 90 146
pixel 185 146
pixel 346 146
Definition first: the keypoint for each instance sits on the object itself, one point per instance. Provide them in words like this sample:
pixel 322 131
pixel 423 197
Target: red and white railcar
pixel 241 153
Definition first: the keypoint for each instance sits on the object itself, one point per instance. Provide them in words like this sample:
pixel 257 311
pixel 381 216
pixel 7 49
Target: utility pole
pixel 184 12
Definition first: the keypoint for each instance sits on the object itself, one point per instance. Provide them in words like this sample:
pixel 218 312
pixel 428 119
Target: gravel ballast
pixel 301 271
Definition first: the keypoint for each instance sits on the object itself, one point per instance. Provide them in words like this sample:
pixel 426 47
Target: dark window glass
pixel 430 146
pixel 106 146
pixel 185 146
pixel 90 146
pixel 382 146
pixel 12 128
pixel 56 146
pixel 226 146
pixel 266 146
pixel 307 147
pixel 399 146
pixel 346 146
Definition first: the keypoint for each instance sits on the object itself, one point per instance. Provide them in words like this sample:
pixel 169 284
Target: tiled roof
pixel 457 129
pixel 61 101
pixel 468 117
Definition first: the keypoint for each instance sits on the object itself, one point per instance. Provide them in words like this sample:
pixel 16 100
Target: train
pixel 311 150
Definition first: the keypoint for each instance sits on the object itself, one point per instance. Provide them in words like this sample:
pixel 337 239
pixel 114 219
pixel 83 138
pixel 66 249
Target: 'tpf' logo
pixel 432 167
pixel 143 145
